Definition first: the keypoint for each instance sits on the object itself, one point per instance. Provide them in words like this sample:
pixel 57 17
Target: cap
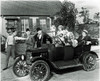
pixel 27 29
pixel 38 29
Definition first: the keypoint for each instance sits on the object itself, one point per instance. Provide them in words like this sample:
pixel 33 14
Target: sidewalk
pixel 6 75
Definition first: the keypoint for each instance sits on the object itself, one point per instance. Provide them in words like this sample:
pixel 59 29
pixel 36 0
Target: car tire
pixel 40 71
pixel 89 62
pixel 20 68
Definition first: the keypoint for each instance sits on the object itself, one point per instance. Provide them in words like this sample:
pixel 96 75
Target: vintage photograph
pixel 50 40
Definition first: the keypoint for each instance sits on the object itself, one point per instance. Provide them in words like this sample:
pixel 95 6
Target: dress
pixel 60 34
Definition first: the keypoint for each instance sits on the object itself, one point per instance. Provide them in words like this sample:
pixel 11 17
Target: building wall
pixel 28 22
pixel 3 28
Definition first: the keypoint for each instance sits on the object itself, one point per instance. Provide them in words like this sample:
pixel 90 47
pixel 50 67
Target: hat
pixel 27 29
pixel 85 31
pixel 61 26
pixel 38 29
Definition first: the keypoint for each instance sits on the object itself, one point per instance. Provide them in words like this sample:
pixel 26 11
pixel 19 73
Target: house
pixel 29 14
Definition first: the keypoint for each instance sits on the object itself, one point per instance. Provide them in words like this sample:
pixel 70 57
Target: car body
pixel 95 41
pixel 39 62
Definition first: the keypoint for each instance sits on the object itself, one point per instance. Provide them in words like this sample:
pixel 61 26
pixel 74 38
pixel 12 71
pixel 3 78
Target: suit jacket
pixel 30 42
pixel 84 40
pixel 45 37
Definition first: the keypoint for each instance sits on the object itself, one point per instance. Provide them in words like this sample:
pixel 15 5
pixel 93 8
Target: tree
pixel 97 17
pixel 66 16
pixel 85 14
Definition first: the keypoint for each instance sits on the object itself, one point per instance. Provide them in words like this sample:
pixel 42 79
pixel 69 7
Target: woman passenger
pixel 60 32
pixel 60 35
pixel 70 39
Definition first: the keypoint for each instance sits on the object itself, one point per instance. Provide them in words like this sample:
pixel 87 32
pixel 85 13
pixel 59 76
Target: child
pixel 10 48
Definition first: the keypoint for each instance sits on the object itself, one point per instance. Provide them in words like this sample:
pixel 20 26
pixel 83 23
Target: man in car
pixel 84 38
pixel 41 38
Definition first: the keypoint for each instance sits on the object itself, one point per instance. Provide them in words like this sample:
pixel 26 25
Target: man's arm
pixel 49 38
pixel 6 43
pixel 80 41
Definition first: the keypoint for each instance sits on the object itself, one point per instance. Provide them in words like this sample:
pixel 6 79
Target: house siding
pixel 27 22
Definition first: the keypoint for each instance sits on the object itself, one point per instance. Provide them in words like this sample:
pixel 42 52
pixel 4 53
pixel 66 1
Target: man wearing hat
pixel 41 38
pixel 84 38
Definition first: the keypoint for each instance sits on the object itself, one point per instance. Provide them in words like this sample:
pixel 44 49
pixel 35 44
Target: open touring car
pixel 40 62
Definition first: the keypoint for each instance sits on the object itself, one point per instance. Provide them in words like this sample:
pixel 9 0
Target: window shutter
pixel 37 22
pixel 48 24
pixel 19 27
pixel 30 24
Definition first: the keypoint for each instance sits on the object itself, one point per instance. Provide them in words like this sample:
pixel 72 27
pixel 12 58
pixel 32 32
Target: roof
pixel 33 8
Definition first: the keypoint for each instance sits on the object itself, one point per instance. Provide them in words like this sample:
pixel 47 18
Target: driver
pixel 84 38
pixel 41 38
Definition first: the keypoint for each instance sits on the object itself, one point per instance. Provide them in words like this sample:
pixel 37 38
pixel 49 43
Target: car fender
pixel 85 53
pixel 22 57
pixel 41 58
pixel 92 52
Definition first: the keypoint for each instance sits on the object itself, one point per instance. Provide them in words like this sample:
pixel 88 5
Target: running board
pixel 66 64
pixel 64 67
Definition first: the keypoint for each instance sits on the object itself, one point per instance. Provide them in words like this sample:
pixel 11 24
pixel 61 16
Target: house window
pixel 25 24
pixel 43 22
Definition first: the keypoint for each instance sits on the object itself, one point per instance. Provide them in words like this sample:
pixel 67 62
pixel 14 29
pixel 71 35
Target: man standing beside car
pixel 41 38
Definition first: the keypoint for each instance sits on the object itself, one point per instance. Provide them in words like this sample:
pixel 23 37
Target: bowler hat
pixel 38 29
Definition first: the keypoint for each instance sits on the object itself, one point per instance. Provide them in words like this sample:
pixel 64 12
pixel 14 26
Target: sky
pixel 92 5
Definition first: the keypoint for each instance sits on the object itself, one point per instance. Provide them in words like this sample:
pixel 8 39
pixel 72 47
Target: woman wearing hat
pixel 84 39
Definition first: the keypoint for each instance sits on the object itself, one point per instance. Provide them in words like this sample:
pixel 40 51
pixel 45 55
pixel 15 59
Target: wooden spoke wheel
pixel 20 68
pixel 40 71
pixel 89 62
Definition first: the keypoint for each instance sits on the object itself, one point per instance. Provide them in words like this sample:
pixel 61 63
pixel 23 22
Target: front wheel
pixel 20 68
pixel 89 62
pixel 40 71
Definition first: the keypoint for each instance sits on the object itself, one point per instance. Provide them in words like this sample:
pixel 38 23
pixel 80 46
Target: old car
pixel 40 62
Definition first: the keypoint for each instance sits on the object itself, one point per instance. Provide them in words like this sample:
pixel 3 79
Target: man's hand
pixel 5 49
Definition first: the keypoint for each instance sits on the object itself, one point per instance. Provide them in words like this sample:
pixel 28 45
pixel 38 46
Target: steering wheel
pixel 58 41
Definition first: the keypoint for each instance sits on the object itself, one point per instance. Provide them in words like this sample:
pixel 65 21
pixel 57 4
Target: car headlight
pixel 22 57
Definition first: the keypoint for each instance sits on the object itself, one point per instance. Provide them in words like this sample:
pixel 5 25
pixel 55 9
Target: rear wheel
pixel 40 71
pixel 20 68
pixel 89 62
